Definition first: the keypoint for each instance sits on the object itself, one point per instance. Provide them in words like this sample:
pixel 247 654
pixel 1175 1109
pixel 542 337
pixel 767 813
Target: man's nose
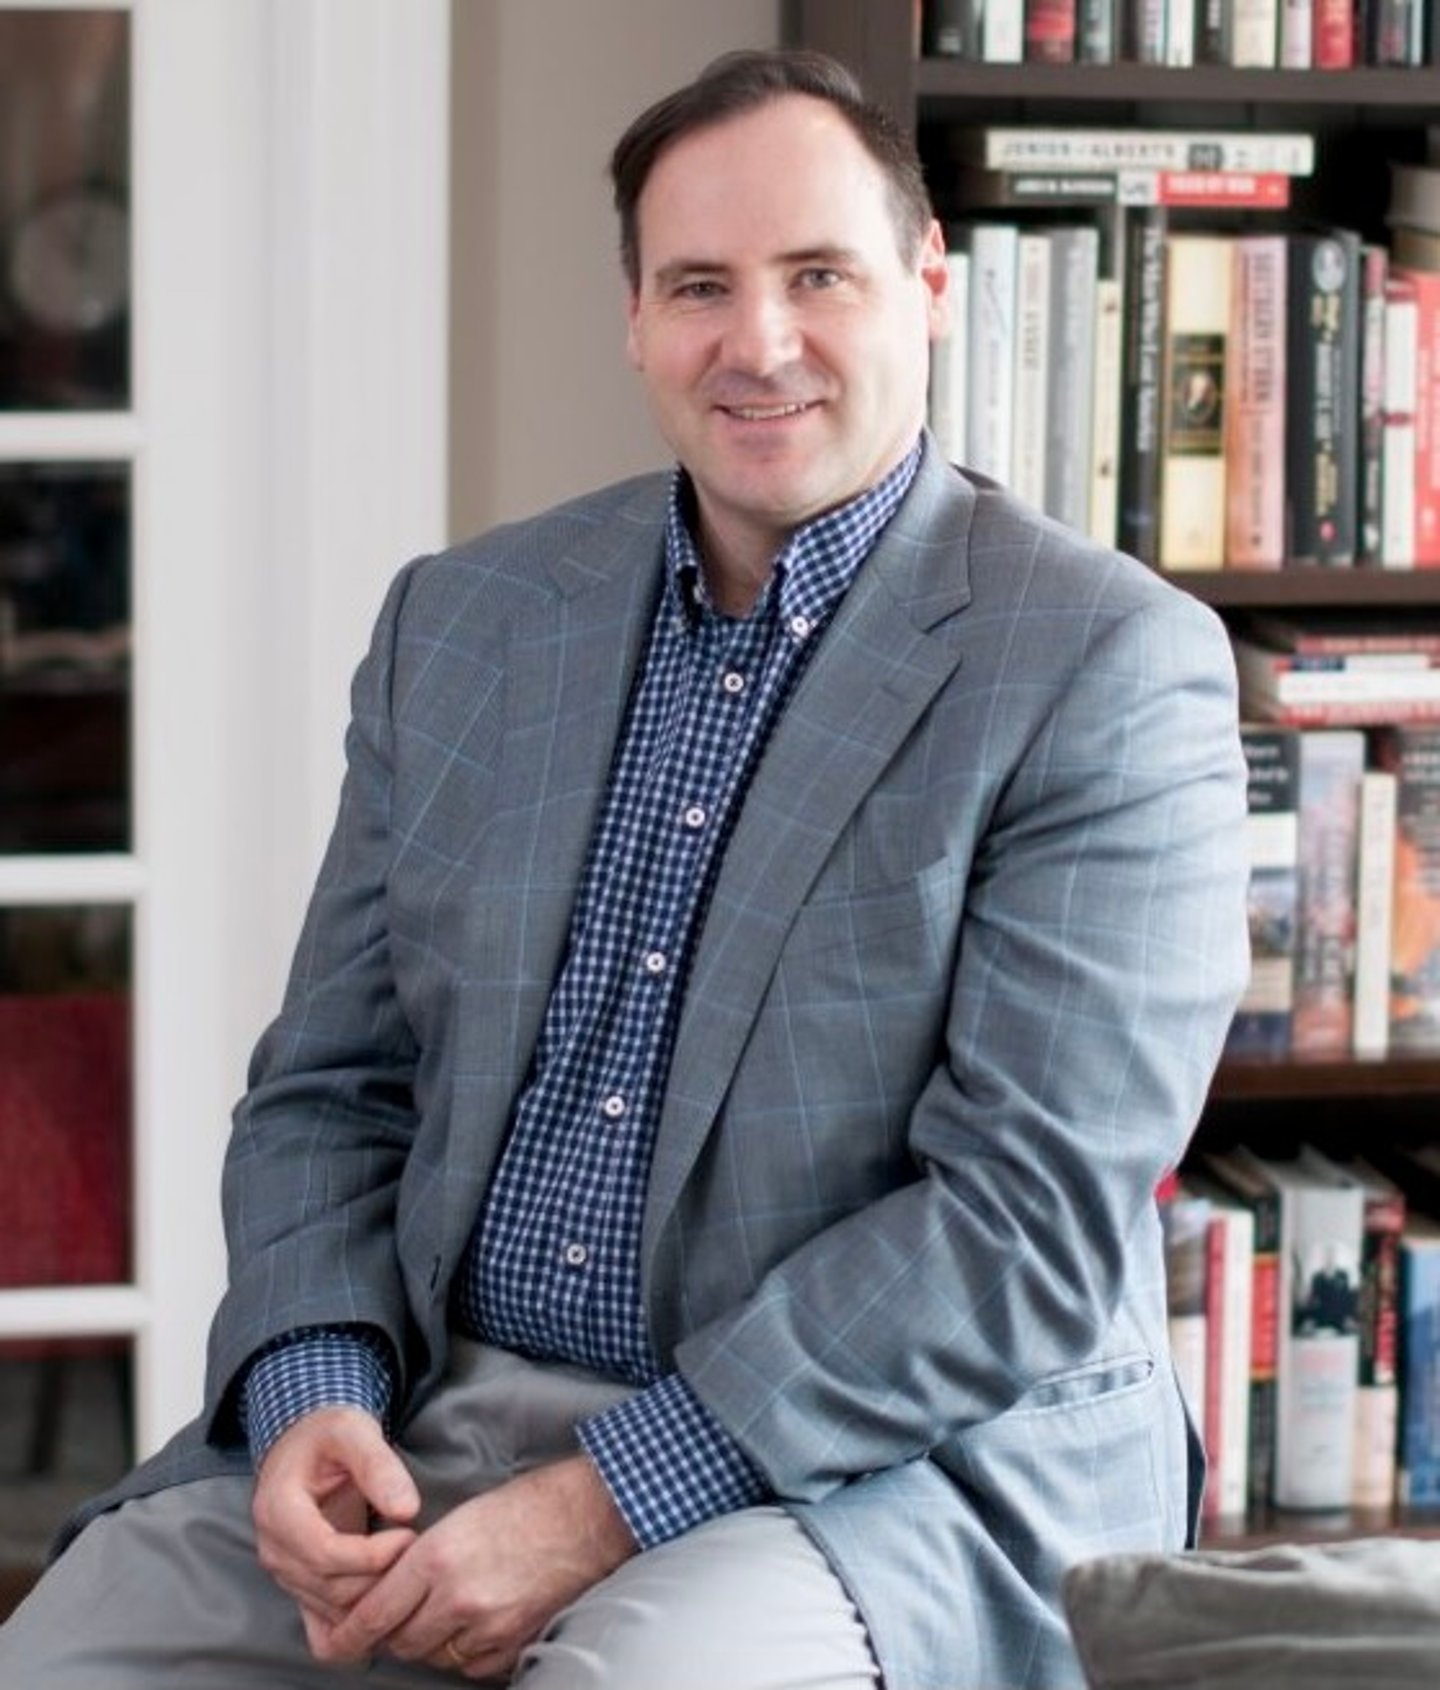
pixel 763 335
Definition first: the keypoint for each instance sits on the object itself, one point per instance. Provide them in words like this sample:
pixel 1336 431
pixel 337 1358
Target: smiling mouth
pixel 765 413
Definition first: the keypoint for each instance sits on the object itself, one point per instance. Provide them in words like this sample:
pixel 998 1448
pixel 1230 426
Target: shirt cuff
pixel 318 1367
pixel 668 1462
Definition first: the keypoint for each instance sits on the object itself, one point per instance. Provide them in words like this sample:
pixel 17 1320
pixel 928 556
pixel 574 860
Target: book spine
pixel 1105 426
pixel 950 29
pixel 1050 28
pixel 1297 35
pixel 1427 418
pixel 1142 31
pixel 1197 318
pixel 1374 903
pixel 1210 32
pixel 1333 34
pixel 1322 404
pixel 1231 1308
pixel 1397 536
pixel 1370 502
pixel 1264 1019
pixel 1003 32
pixel 1074 275
pixel 1032 368
pixel 1252 33
pixel 1180 25
pixel 1389 33
pixel 1140 389
pixel 1378 1394
pixel 990 421
pixel 1185 1225
pixel 1321 1240
pixel 1249 190
pixel 1255 406
pixel 1329 809
pixel 1419 1453
pixel 1023 148
pixel 1412 754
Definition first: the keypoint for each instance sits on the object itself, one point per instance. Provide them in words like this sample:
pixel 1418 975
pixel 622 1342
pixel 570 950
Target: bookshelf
pixel 1362 118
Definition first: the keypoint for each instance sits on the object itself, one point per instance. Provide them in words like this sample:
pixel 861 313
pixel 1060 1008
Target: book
pixel 1263 1021
pixel 1034 147
pixel 1105 421
pixel 1192 465
pixel 1318 1367
pixel 1229 1289
pixel 1255 405
pixel 1328 804
pixel 1412 754
pixel 1419 249
pixel 994 250
pixel 1424 286
pixel 1002 31
pixel 1368 690
pixel 1140 428
pixel 1180 25
pixel 1374 911
pixel 1184 1223
pixel 1397 435
pixel 1032 367
pixel 1297 35
pixel 1347 632
pixel 1370 502
pixel 1049 32
pixel 1070 401
pixel 1377 1407
pixel 1242 190
pixel 1418 1477
pixel 949 361
pixel 1238 1173
pixel 950 29
pixel 1251 33
pixel 1095 32
pixel 1322 401
pixel 1333 34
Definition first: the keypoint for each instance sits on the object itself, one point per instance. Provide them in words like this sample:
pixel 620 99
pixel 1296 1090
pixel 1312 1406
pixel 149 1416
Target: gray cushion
pixel 1363 1614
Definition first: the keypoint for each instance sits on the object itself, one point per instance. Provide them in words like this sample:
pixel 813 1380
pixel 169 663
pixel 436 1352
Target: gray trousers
pixel 167 1593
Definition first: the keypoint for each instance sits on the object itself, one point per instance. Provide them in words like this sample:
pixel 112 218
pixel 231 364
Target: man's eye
pixel 697 290
pixel 820 276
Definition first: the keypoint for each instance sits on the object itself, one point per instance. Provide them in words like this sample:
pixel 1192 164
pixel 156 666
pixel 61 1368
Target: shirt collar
pixel 815 565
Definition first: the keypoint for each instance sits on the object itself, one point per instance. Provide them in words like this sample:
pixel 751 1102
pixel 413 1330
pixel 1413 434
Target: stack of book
pixel 1305 1321
pixel 1220 393
pixel 1342 739
pixel 1328 35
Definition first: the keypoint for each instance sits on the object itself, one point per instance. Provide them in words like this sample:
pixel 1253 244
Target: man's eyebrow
pixel 679 268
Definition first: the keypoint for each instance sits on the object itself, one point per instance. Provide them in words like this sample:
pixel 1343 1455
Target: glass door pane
pixel 64 210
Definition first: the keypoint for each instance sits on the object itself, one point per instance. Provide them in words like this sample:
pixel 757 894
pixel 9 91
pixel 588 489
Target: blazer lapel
pixel 891 647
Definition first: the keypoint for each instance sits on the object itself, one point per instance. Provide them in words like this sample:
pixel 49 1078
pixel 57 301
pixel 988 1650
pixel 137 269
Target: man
pixel 780 925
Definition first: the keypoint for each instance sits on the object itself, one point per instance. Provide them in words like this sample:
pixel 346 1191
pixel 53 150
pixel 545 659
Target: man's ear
pixel 632 330
pixel 935 274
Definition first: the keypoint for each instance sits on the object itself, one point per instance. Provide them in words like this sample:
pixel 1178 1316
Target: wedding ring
pixel 454 1653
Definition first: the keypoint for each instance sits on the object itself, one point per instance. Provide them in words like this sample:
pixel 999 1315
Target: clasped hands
pixel 465 1595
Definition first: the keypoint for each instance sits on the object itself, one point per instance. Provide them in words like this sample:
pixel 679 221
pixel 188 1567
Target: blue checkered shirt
pixel 553 1265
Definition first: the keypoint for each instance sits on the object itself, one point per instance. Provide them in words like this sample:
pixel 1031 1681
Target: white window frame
pixel 287 438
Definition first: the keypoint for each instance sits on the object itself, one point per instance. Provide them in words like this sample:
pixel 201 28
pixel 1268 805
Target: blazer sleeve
pixel 321 1136
pixel 1100 951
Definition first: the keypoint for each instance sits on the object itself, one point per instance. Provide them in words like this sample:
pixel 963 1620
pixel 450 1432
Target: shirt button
pixel 656 962
pixel 576 1255
pixel 614 1106
pixel 694 816
pixel 800 626
pixel 733 682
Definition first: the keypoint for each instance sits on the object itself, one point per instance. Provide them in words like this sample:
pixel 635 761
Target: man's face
pixel 783 339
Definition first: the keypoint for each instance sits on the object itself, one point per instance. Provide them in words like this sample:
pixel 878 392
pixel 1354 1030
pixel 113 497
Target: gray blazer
pixel 966 974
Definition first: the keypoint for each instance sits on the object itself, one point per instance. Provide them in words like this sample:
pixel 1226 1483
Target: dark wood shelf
pixel 1312 586
pixel 1297 1078
pixel 939 83
pixel 1277 1526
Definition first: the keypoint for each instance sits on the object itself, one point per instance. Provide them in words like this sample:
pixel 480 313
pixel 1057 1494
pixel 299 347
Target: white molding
pixel 51 437
pixel 72 1311
pixel 98 879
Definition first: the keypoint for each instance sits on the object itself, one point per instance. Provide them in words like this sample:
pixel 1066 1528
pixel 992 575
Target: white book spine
pixel 1032 369
pixel 1105 427
pixel 994 253
pixel 1070 411
pixel 1297 34
pixel 1254 28
pixel 1180 33
pixel 1238 1257
pixel 1374 905
pixel 1397 436
pixel 1003 32
pixel 1197 325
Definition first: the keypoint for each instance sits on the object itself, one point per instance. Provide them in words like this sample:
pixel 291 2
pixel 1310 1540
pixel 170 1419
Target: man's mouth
pixel 765 413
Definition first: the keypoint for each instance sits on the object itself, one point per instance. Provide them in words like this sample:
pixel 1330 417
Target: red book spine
pixel 1050 31
pixel 1333 43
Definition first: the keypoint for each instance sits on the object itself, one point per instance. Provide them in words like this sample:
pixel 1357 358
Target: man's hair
pixel 741 82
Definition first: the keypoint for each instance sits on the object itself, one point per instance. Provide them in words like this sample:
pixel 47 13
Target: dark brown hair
pixel 743 81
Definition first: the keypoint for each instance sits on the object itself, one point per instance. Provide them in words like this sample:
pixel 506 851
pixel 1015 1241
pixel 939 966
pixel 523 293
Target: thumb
pixel 378 1473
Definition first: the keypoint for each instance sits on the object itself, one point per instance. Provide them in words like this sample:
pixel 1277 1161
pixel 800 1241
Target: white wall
pixel 542 402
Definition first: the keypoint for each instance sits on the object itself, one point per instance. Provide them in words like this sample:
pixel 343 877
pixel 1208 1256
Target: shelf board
pixel 1310 585
pixel 69 436
pixel 1277 1526
pixel 1302 1077
pixel 939 83
pixel 78 879
pixel 72 1311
